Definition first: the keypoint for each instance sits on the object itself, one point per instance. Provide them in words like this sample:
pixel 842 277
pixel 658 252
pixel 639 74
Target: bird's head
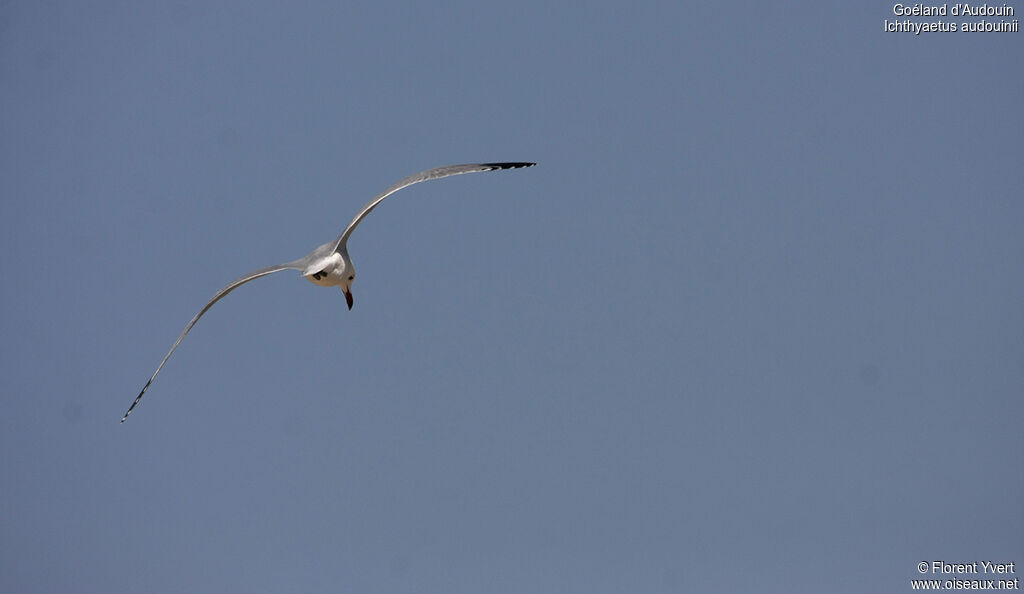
pixel 332 271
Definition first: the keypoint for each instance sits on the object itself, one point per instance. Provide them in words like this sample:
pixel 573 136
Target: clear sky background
pixel 754 322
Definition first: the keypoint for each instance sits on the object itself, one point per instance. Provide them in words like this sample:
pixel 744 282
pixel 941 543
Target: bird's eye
pixel 351 278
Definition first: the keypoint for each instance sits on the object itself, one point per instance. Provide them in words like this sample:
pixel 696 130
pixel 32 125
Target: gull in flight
pixel 329 265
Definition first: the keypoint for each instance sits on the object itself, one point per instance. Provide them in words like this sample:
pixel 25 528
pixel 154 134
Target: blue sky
pixel 753 323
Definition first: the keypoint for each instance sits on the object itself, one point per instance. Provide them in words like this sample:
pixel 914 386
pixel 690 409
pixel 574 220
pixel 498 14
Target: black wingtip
pixel 494 166
pixel 137 399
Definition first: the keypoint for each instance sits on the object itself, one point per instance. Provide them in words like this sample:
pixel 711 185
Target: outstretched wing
pixel 416 178
pixel 296 265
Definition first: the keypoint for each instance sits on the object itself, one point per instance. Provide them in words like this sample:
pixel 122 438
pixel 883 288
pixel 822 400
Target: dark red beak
pixel 348 299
